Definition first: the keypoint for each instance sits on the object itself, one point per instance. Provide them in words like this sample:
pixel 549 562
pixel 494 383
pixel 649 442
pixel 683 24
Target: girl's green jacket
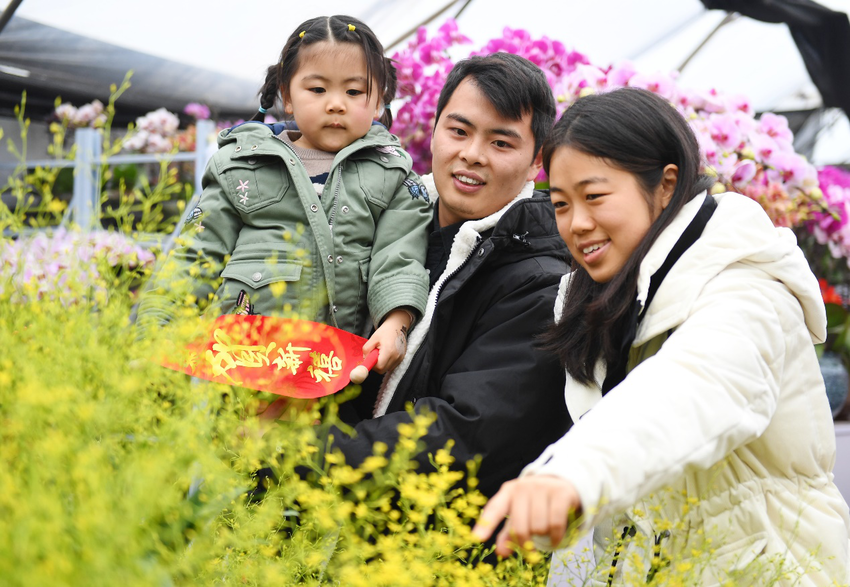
pixel 260 228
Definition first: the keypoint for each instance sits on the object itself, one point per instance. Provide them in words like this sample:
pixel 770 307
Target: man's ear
pixel 669 179
pixel 536 166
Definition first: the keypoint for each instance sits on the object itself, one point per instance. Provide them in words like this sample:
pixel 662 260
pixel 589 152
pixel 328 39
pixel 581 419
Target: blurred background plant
pixel 87 115
pixel 67 264
pixel 44 256
pixel 835 352
pixel 825 239
pixel 826 236
pixel 155 132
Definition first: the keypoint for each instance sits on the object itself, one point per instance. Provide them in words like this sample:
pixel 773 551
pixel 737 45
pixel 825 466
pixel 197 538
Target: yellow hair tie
pixel 301 35
pixel 351 27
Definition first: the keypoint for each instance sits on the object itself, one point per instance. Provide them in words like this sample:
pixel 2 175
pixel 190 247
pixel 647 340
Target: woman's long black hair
pixel 639 132
pixel 336 30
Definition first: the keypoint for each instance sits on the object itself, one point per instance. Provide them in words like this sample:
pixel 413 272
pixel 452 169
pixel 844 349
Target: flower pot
pixel 836 380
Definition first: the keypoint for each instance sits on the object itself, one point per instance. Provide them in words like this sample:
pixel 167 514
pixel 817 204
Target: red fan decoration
pixel 293 358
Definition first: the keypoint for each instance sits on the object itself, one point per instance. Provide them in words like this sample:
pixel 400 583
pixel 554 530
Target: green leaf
pixel 835 316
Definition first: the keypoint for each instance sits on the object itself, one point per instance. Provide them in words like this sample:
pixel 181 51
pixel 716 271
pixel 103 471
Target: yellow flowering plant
pixel 116 471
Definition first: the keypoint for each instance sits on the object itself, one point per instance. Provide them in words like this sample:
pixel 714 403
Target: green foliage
pixel 137 201
pixel 27 197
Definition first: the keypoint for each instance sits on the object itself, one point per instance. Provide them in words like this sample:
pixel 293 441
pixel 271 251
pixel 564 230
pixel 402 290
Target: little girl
pixel 687 331
pixel 321 219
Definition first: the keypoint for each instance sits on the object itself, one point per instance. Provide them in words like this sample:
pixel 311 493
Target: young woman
pixel 687 330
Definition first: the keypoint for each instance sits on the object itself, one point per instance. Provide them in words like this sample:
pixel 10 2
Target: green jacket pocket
pixel 255 182
pixel 259 273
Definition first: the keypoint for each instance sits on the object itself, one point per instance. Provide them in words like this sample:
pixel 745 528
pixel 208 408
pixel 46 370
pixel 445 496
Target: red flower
pixel 830 296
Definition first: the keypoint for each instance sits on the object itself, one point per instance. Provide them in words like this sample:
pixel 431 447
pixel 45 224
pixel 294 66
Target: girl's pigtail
pixel 268 94
pixel 389 92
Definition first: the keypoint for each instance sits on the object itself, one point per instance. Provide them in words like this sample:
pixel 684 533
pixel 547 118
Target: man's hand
pixel 537 505
pixel 391 340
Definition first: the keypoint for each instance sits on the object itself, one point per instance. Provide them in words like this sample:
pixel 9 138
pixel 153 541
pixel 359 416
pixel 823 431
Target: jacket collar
pixel 278 127
pixel 474 228
pixel 664 243
pixel 738 232
pixel 465 243
pixel 259 138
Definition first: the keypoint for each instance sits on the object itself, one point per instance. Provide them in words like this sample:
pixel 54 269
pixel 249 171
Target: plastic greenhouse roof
pixel 47 62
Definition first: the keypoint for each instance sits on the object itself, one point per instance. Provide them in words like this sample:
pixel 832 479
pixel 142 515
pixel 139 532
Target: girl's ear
pixel 287 104
pixel 669 178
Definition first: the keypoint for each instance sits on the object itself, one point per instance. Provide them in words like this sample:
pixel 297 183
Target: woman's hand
pixel 391 340
pixel 537 505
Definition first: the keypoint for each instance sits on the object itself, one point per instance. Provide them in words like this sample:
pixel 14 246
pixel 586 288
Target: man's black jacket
pixel 495 394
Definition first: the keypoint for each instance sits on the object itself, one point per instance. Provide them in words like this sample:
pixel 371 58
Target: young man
pixel 495 260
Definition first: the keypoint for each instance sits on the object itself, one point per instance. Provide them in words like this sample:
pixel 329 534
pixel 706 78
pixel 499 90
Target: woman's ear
pixel 669 178
pixel 536 166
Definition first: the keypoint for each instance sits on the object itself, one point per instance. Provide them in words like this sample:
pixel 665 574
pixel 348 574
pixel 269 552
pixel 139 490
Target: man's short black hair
pixel 512 84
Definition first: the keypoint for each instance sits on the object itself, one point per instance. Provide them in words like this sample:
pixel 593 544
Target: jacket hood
pixel 738 232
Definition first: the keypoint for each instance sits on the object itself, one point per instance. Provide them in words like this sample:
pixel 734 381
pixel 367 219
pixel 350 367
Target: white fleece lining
pixel 463 246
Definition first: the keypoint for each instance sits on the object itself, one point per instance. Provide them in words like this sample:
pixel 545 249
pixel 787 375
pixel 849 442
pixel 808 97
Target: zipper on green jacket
pixel 336 195
pixel 331 301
